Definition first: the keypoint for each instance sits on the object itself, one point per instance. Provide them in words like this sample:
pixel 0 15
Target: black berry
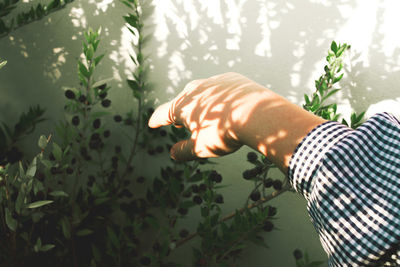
pixel 75 120
pixel 106 103
pixel 103 95
pixel 140 180
pixel 297 254
pixel 219 199
pixel 268 182
pixel 268 226
pixel 255 196
pixel 163 132
pixel 195 188
pixel 69 170
pixel 277 184
pixel 118 149
pixel 272 211
pixel 182 211
pixel 106 133
pixel 69 94
pixel 198 200
pixel 96 123
pixel 183 233
pixel 117 118
pixel 102 87
pixel 82 98
pixel 252 157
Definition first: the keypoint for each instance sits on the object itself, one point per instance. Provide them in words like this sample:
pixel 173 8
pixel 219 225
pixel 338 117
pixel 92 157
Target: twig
pixel 271 196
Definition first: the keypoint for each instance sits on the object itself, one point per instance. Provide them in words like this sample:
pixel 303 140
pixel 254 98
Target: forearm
pixel 272 125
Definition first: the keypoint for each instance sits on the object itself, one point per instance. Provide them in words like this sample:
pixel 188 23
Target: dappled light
pixel 223 113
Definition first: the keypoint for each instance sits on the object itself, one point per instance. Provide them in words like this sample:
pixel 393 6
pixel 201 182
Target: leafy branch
pixel 23 18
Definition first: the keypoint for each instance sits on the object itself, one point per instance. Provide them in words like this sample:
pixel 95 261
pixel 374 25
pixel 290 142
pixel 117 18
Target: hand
pixel 227 111
pixel 205 107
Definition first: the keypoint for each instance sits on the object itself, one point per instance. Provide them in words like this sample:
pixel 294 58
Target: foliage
pixel 85 201
pixel 35 13
pixel 325 88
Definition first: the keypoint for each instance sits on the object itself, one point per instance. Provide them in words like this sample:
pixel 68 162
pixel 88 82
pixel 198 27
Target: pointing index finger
pixel 161 116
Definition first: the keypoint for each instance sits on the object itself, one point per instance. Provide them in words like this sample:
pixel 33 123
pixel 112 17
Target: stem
pixel 286 187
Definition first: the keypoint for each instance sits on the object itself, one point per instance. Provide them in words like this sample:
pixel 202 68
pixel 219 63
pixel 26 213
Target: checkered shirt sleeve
pixel 351 181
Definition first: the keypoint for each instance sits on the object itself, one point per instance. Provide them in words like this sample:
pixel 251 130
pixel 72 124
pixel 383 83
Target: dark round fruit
pixel 103 95
pixel 182 211
pixel 102 87
pixel 272 211
pixel 268 226
pixel 297 254
pixel 69 170
pixel 140 180
pixel 82 98
pixel 117 118
pixel 69 94
pixel 219 199
pixel 268 182
pixel 163 132
pixel 106 133
pixel 96 123
pixel 255 195
pixel 195 188
pixel 247 174
pixel 252 157
pixel 51 156
pixel 203 187
pixel 277 184
pixel 183 233
pixel 75 120
pixel 118 149
pixel 106 103
pixel 198 200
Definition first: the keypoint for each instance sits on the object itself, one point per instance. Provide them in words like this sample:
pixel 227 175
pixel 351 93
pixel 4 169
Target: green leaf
pixel 39 203
pixel 98 59
pixel 332 92
pixel 338 78
pixel 90 52
pixel 83 70
pixel 10 221
pixel 32 168
pixel 113 237
pixel 57 152
pixel 47 247
pixel 42 142
pixel 334 47
pixel 20 200
pixel 3 63
pixel 97 84
pixel 58 194
pixel 84 232
pixel 66 227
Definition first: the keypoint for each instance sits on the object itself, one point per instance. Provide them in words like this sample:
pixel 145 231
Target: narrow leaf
pixel 10 221
pixel 38 204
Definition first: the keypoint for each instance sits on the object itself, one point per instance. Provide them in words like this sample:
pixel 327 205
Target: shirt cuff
pixel 309 154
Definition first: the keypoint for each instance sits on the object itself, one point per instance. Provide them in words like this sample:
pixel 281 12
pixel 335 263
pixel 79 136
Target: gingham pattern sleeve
pixel 351 181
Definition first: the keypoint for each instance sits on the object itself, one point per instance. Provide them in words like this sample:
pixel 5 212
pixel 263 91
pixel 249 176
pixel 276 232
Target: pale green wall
pixel 280 44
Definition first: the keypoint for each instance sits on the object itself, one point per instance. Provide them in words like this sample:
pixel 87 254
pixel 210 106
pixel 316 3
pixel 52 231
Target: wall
pixel 280 44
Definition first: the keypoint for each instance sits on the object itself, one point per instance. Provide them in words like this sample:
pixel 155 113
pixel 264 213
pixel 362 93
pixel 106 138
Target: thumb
pixel 161 116
pixel 183 150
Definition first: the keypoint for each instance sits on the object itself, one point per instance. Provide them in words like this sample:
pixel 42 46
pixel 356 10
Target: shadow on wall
pixel 277 43
pixel 42 56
